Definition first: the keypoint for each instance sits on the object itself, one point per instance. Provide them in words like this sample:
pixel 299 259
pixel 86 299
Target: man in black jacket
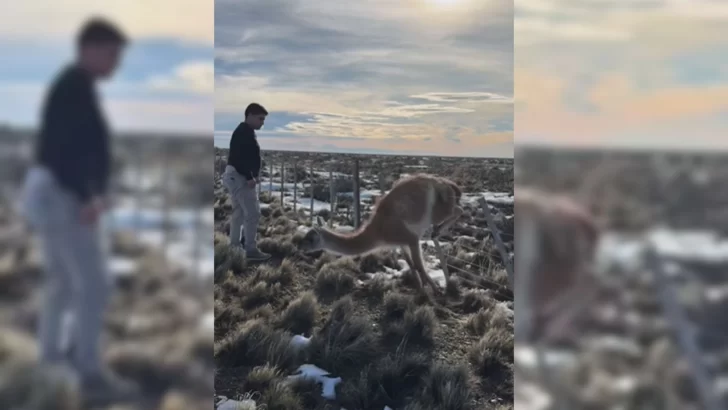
pixel 65 195
pixel 241 177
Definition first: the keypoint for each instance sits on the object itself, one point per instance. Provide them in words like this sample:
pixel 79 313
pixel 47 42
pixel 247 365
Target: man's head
pixel 255 116
pixel 100 45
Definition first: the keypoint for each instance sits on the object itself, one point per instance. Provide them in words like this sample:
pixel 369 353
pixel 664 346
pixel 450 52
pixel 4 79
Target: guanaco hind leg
pixel 416 253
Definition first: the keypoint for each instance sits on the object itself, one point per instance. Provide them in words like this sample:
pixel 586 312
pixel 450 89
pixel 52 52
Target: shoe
pixel 105 388
pixel 256 255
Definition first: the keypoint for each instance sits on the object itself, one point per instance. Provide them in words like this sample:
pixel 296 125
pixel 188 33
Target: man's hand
pixel 92 210
pixel 251 183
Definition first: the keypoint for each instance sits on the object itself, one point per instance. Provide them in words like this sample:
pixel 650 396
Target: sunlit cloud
pixel 372 75
pixel 42 20
pixel 640 73
pixel 166 81
pixel 193 77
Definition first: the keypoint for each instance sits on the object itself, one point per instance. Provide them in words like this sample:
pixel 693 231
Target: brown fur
pixel 399 220
pixel 565 243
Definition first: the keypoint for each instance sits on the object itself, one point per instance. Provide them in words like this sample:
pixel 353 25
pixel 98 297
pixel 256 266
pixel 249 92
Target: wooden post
pixel 685 333
pixel 332 194
pixel 295 185
pixel 283 179
pixel 357 195
pixel 311 180
pixel 165 196
pixel 260 188
pixel 270 178
pixel 197 243
pixel 443 260
pixel 498 242
pixel 138 194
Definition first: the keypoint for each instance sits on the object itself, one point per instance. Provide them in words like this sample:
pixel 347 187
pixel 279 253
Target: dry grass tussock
pixel 390 346
pixel 626 355
pixel 154 336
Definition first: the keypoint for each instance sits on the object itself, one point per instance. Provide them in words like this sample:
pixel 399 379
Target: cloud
pixel 495 145
pixel 383 71
pixel 41 20
pixel 186 117
pixel 190 77
pixel 180 101
pixel 474 97
pixel 166 78
pixel 630 73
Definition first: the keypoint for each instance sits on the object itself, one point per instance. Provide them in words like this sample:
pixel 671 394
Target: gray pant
pixel 246 209
pixel 76 271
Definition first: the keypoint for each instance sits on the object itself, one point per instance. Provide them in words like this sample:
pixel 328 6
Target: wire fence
pixel 685 333
pixel 162 183
pixel 155 194
pixel 297 181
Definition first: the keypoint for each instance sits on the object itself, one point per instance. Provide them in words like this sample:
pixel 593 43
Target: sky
pixel 166 82
pixel 628 73
pixel 432 77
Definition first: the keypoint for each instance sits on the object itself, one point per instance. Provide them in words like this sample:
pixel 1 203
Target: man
pixel 65 196
pixel 241 177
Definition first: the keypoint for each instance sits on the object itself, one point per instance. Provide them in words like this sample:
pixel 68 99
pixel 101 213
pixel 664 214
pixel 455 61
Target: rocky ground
pixel 365 323
pixel 626 356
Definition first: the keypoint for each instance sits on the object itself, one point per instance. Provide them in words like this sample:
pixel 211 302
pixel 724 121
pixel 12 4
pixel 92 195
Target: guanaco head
pixel 313 240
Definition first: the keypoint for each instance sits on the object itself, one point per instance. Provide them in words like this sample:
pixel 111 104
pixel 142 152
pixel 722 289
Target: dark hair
pixel 100 31
pixel 255 109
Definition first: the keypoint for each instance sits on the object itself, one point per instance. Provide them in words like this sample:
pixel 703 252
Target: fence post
pixel 260 188
pixel 357 195
pixel 165 196
pixel 138 189
pixel 443 260
pixel 196 240
pixel 497 238
pixel 311 180
pixel 295 184
pixel 332 194
pixel 283 178
pixel 685 335
pixel 270 178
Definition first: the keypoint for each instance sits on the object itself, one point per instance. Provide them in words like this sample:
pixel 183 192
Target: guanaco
pixel 556 241
pixel 400 219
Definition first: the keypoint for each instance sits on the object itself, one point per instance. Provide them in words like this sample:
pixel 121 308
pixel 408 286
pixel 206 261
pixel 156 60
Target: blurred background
pixel 621 105
pixel 160 108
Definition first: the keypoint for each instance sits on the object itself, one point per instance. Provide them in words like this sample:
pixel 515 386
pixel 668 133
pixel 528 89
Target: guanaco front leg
pixel 573 303
pixel 412 267
pixel 527 243
pixel 445 225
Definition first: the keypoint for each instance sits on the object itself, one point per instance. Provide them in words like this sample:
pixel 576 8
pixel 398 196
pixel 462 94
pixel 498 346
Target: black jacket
pixel 244 153
pixel 73 142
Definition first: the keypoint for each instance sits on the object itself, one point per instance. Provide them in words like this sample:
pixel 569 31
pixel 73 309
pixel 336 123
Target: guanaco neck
pixel 360 242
